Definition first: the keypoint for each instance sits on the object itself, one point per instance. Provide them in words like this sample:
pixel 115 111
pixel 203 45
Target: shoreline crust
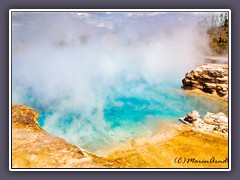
pixel 33 147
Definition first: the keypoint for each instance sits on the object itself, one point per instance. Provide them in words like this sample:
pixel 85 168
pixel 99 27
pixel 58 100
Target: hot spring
pixel 99 79
pixel 130 109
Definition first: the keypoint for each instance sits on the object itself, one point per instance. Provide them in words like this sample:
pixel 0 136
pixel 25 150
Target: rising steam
pixel 70 64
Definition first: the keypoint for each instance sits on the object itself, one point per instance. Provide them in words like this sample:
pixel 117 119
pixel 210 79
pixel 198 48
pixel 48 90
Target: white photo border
pixel 118 169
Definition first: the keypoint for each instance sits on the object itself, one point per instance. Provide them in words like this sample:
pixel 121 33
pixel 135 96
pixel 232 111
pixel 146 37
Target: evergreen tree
pixel 226 20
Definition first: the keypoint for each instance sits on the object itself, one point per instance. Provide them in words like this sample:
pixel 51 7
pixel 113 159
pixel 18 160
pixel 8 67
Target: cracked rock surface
pixel 209 78
pixel 212 122
pixel 32 147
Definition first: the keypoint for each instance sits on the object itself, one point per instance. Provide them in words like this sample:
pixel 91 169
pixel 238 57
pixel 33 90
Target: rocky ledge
pixel 212 122
pixel 209 78
pixel 32 147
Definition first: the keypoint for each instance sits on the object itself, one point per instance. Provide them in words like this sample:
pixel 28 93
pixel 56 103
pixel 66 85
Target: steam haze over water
pixel 100 78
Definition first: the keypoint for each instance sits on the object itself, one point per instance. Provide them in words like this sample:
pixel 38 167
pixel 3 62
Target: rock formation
pixel 209 78
pixel 212 122
pixel 32 147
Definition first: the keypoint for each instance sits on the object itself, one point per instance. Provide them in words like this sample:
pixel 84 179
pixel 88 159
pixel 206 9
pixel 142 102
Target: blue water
pixel 129 109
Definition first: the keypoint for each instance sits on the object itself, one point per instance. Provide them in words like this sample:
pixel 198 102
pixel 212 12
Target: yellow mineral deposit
pixel 172 146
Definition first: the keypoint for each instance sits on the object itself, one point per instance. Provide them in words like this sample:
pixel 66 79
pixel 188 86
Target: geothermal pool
pixel 108 77
pixel 129 110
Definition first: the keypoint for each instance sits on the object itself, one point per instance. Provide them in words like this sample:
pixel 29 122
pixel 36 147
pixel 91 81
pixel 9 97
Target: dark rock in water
pixel 209 78
pixel 192 117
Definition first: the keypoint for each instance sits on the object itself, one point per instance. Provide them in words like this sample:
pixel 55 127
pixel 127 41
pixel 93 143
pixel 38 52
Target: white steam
pixel 70 65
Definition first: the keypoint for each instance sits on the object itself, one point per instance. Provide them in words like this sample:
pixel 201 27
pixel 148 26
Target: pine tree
pixel 226 21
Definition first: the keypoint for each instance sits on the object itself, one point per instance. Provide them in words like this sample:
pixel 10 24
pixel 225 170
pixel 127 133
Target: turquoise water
pixel 97 87
pixel 130 110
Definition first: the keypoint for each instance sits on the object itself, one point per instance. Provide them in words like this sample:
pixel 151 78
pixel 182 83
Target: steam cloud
pixel 70 64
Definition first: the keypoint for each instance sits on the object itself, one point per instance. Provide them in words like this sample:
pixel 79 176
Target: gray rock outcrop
pixel 212 122
pixel 209 78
